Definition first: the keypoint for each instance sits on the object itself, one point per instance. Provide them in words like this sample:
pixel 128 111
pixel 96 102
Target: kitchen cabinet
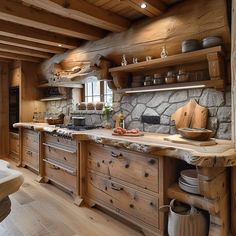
pixel 14 146
pixel 130 184
pixel 61 162
pixel 30 149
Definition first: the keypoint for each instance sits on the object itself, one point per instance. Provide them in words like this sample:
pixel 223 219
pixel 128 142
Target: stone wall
pixel 164 104
pixel 161 104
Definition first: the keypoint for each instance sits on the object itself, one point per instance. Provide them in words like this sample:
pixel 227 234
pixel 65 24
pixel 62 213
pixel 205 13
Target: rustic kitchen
pixel 118 117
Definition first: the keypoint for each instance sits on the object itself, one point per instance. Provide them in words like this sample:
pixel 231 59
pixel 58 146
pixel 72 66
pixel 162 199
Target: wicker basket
pixel 56 121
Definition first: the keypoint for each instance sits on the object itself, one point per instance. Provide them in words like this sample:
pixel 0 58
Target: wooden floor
pixel 43 210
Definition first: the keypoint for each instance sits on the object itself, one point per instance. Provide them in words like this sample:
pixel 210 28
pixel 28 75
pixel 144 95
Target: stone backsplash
pixel 162 104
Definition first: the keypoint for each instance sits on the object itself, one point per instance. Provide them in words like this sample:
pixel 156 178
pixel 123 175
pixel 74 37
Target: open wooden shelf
pixel 174 192
pixel 53 98
pixel 217 84
pixel 64 85
pixel 179 59
pixel 212 56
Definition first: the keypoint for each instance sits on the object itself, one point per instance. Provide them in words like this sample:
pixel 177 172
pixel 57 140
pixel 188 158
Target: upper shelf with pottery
pixel 212 56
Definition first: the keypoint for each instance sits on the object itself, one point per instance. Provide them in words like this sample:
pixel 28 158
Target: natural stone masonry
pixel 162 104
pixel 166 103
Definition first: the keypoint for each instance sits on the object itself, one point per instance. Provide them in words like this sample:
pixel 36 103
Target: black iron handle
pixel 116 188
pixel 115 155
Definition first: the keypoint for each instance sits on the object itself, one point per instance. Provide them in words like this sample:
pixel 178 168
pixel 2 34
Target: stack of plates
pixel 188 181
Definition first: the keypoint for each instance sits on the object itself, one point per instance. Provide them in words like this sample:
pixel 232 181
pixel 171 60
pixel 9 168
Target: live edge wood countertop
pixel 220 155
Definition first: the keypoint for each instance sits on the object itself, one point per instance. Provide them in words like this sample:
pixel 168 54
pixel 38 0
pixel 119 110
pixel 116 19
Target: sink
pixel 10 182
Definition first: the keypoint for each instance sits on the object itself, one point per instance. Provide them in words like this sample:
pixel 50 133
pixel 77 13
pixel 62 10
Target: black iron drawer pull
pixel 29 153
pixel 59 148
pixel 116 155
pixel 116 188
pixel 60 166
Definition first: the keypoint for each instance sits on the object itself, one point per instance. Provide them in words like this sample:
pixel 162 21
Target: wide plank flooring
pixel 43 210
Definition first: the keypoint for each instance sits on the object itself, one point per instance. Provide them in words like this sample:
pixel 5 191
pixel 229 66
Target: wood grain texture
pixel 219 155
pixel 41 214
pixel 86 12
pixel 191 115
pixel 4 134
pixel 17 12
pixel 36 35
pixel 194 19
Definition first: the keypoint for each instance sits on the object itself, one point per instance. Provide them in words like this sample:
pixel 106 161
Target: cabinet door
pixel 30 158
pixel 135 168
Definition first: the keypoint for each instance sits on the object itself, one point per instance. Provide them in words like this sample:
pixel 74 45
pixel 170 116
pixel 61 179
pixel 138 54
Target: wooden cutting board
pixel 191 115
pixel 177 138
pixel 129 135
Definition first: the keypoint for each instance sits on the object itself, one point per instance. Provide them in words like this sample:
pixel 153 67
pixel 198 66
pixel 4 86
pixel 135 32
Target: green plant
pixel 107 110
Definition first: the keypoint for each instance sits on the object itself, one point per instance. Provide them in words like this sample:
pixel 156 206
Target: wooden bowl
pixel 196 134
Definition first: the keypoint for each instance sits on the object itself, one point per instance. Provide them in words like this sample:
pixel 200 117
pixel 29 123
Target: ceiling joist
pixel 83 11
pixel 153 7
pixel 24 51
pixel 30 45
pixel 15 56
pixel 13 30
pixel 18 13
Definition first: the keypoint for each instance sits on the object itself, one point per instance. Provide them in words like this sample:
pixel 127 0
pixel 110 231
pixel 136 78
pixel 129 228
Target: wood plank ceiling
pixel 34 30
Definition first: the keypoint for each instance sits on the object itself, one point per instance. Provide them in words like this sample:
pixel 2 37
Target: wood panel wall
pixel 29 93
pixel 233 70
pixel 4 129
pixel 188 19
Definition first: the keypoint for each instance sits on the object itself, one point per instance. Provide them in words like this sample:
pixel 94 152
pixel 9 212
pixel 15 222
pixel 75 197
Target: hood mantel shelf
pixel 80 73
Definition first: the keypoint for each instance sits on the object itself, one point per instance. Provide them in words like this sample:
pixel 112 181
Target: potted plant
pixel 107 110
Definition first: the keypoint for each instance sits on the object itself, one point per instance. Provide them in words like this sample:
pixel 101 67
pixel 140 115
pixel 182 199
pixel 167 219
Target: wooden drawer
pixel 60 141
pixel 31 139
pixel 115 195
pixel 132 167
pixel 60 176
pixel 30 158
pixel 67 158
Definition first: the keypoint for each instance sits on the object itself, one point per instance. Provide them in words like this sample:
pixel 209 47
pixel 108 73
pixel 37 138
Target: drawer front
pixel 135 168
pixel 59 141
pixel 30 158
pixel 66 158
pixel 31 139
pixel 129 200
pixel 60 176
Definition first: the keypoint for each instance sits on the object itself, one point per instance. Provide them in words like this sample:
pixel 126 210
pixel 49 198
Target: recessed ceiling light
pixel 143 5
pixel 59 45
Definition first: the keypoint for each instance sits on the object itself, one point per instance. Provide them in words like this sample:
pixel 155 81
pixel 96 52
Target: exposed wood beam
pixel 10 29
pixel 24 51
pixel 85 12
pixel 18 13
pixel 15 56
pixel 154 7
pixel 30 45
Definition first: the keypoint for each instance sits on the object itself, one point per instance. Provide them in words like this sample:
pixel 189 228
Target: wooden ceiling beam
pixel 30 45
pixel 15 56
pixel 83 11
pixel 154 7
pixel 18 13
pixel 24 51
pixel 13 30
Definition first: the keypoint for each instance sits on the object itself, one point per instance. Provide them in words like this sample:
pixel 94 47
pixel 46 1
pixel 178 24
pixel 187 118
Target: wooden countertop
pixel 220 155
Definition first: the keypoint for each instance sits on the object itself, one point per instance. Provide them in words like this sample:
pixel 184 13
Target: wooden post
pixel 233 93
